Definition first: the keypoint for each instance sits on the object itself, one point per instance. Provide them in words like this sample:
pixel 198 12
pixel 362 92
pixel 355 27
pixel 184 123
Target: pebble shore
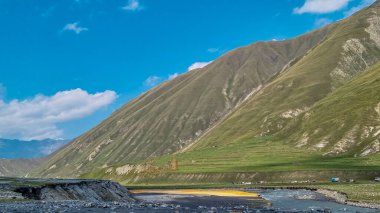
pixel 116 207
pixel 342 198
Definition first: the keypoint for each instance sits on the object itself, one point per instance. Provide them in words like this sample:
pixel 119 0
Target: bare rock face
pixel 81 190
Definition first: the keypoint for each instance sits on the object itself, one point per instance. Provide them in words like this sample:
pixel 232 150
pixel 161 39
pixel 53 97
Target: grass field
pixel 259 159
pixel 262 155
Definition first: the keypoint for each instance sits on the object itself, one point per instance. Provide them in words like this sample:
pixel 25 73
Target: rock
pixel 85 190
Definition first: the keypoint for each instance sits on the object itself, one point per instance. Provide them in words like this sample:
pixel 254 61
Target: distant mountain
pixel 12 149
pixel 18 167
pixel 306 104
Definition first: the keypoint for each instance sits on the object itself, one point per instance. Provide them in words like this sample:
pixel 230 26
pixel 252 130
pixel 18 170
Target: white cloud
pixel 173 76
pixel 52 147
pixel 133 5
pixel 198 65
pixel 363 3
pixel 152 81
pixel 212 50
pixel 321 6
pixel 37 118
pixel 74 27
pixel 321 22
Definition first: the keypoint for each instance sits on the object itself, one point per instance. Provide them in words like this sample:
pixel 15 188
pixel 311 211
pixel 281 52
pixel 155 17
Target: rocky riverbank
pixel 55 195
pixel 63 190
pixel 121 207
pixel 340 197
pixel 59 195
pixel 80 190
pixel 336 196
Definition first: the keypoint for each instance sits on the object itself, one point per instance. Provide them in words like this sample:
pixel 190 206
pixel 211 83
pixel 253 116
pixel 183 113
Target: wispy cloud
pixel 152 81
pixel 278 38
pixel 173 76
pixel 321 22
pixel 52 147
pixel 363 3
pixel 321 6
pixel 48 12
pixel 74 27
pixel 198 65
pixel 133 5
pixel 37 118
pixel 212 50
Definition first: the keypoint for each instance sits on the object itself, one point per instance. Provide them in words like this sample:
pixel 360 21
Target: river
pixel 270 200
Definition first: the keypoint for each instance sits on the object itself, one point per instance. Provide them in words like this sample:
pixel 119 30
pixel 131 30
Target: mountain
pixel 347 121
pixel 12 149
pixel 17 167
pixel 308 103
pixel 171 116
pixel 352 47
pixel 344 142
pixel 18 158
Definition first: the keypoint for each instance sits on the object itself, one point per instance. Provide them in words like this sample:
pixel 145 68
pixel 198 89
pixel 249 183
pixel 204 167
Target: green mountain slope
pixel 272 158
pixel 351 47
pixel 172 115
pixel 357 103
pixel 347 121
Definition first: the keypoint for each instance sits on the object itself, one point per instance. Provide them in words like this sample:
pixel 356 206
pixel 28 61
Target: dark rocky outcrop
pixel 82 190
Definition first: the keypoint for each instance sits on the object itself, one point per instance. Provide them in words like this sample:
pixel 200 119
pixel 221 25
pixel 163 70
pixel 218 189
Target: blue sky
pixel 67 64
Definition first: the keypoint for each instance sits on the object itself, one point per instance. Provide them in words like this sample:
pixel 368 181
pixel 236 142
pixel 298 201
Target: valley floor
pixel 78 195
pixel 364 194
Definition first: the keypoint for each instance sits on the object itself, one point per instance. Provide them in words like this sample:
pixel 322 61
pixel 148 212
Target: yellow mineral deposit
pixel 205 192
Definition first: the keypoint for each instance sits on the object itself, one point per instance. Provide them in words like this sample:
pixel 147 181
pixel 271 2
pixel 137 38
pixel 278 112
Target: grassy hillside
pixel 347 121
pixel 347 51
pixel 334 85
pixel 174 114
pixel 269 157
pixel 355 103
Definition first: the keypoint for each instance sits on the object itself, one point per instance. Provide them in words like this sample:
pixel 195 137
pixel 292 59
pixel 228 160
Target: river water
pixel 274 200
pixel 305 200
